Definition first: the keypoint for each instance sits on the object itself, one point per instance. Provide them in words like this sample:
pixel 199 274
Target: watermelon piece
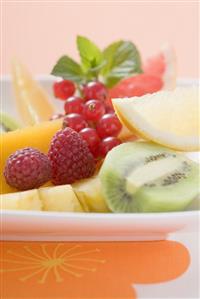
pixel 159 73
pixel 164 66
pixel 136 86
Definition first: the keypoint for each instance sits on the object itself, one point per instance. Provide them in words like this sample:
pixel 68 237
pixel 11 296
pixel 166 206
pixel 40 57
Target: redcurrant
pixel 63 89
pixel 107 144
pixel 73 105
pixel 93 110
pixel 91 137
pixel 108 125
pixel 94 90
pixel 74 121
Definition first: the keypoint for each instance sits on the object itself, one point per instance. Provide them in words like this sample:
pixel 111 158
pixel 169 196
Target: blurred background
pixel 40 32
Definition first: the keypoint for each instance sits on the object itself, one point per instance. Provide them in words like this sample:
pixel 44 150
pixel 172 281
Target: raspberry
pixel 70 157
pixel 27 168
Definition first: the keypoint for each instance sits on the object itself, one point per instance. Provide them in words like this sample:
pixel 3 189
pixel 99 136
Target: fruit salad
pixel 117 145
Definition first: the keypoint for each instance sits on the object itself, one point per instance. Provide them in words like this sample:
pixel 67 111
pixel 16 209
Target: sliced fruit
pixel 163 65
pixel 136 86
pixel 89 193
pixel 159 73
pixel 38 136
pixel 195 204
pixel 170 118
pixel 125 134
pixel 59 199
pixel 144 177
pixel 32 101
pixel 8 123
pixel 26 200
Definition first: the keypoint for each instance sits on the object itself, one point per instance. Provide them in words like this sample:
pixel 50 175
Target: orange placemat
pixel 87 270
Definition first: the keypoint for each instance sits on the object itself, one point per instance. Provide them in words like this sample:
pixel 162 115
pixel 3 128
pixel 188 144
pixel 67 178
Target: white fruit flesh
pixel 169 77
pixel 89 192
pixel 150 172
pixel 170 118
pixel 26 200
pixel 31 99
pixel 60 199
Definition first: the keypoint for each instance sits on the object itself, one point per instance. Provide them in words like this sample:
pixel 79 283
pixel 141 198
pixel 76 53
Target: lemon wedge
pixel 169 118
pixel 32 101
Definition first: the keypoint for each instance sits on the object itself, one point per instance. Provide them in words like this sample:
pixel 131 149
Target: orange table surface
pixel 89 269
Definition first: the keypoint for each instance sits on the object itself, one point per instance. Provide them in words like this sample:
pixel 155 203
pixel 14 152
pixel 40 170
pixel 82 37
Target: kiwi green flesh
pixel 8 123
pixel 172 192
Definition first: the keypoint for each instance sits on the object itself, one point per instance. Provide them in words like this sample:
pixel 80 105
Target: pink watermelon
pixel 159 73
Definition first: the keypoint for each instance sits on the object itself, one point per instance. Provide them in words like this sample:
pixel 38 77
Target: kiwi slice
pixel 144 177
pixel 8 123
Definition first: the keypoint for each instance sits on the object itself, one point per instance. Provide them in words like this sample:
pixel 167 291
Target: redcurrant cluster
pixel 90 115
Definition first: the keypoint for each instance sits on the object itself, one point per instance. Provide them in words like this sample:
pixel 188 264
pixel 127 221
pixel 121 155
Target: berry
pixel 70 157
pixel 27 168
pixel 73 105
pixel 75 121
pixel 91 137
pixel 93 110
pixel 107 144
pixel 108 125
pixel 64 89
pixel 109 108
pixel 56 116
pixel 94 90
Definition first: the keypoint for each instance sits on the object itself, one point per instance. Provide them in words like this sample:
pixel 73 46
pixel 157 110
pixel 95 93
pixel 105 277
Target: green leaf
pixel 68 69
pixel 91 56
pixel 122 60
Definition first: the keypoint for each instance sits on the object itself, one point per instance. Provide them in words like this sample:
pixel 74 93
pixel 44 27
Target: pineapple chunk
pixel 60 199
pixel 25 200
pixel 89 192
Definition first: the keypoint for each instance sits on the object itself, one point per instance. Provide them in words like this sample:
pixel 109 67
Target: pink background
pixel 40 32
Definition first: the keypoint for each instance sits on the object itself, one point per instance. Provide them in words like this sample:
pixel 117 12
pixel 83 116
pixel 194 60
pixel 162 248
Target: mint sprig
pixel 119 60
pixel 68 69
pixel 123 60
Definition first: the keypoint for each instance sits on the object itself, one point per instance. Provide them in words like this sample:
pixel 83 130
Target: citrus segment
pixel 32 101
pixel 170 118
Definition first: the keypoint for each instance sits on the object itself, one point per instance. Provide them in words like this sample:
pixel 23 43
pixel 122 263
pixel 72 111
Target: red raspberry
pixel 27 168
pixel 70 157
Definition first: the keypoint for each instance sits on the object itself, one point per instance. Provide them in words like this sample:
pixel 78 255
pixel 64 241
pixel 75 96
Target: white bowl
pixel 57 226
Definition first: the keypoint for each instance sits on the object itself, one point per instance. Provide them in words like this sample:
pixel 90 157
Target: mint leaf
pixel 68 69
pixel 122 60
pixel 91 56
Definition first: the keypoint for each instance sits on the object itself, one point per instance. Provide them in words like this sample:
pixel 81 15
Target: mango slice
pixel 38 136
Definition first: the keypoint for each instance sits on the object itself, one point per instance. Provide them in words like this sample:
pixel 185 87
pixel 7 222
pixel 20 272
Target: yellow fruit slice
pixel 25 200
pixel 89 193
pixel 32 101
pixel 59 199
pixel 169 118
pixel 38 136
pixel 126 134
